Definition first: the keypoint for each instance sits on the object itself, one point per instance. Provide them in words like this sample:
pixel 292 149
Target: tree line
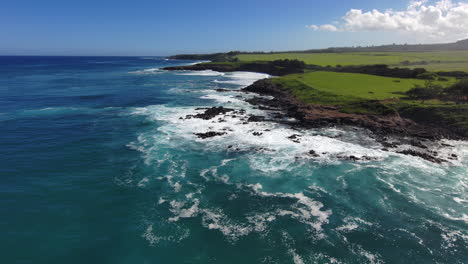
pixel 457 92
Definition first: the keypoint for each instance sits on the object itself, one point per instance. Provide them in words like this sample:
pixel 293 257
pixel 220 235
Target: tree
pixel 428 91
pixel 459 91
pixel 427 76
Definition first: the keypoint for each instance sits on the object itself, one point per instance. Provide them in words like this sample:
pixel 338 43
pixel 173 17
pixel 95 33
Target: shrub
pixel 456 74
pixel 290 64
pixel 427 76
pixel 428 91
pixel 459 91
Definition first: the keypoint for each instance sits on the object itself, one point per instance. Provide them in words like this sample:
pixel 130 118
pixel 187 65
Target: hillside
pixel 459 45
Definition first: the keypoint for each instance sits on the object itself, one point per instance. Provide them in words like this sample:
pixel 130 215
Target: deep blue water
pixel 99 165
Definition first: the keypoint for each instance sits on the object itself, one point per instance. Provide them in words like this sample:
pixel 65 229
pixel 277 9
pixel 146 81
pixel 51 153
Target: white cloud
pixel 326 27
pixel 442 20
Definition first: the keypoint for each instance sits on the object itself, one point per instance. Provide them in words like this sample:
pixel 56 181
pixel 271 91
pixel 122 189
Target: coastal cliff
pixel 375 115
pixel 311 115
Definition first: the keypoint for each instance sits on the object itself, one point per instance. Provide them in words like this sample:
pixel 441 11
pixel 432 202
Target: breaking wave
pixel 260 179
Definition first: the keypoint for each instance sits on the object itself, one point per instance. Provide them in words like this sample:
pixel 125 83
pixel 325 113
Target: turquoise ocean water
pixel 99 165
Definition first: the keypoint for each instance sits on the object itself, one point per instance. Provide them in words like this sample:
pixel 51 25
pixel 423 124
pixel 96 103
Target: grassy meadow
pixel 437 61
pixel 370 94
pixel 443 66
pixel 357 85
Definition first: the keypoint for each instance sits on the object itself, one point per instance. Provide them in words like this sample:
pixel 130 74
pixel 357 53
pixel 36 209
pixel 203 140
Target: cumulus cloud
pixel 326 27
pixel 444 20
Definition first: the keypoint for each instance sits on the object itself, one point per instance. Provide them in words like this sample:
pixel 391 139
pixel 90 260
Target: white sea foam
pixel 460 200
pixel 372 258
pixel 305 210
pixel 271 150
pixel 150 236
pixel 223 98
pixel 150 58
pixel 143 182
pixel 322 258
pixel 197 62
pixel 58 110
pixel 148 71
pixel 180 212
pixel 213 172
pixel 348 227
pixel 463 218
pixel 451 237
pixel 153 239
pixel 242 78
pixel 267 148
pixel 296 258
pixel 201 73
pixel 268 135
pixel 215 219
pixel 353 223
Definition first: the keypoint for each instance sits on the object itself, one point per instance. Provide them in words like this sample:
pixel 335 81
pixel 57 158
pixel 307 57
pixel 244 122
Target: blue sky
pixel 104 27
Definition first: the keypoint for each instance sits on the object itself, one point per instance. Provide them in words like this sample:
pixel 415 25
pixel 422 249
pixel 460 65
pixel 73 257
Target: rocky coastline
pixel 391 131
pixel 321 115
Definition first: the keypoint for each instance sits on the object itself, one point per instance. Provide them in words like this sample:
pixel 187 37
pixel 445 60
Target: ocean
pixel 100 164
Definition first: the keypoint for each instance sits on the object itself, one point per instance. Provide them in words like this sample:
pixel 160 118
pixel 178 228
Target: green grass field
pixel 454 66
pixel 369 94
pixel 441 58
pixel 354 85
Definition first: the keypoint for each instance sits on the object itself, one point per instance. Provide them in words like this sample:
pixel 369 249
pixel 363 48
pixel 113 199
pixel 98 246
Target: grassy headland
pixel 352 82
pixel 356 85
pixel 375 95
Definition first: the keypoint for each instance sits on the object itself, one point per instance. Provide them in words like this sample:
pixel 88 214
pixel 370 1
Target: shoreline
pixel 390 131
pixel 314 116
pixel 325 115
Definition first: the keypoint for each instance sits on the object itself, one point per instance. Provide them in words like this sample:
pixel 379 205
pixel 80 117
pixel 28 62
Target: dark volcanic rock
pixel 256 119
pixel 423 155
pixel 211 113
pixel 313 154
pixel 295 138
pixel 264 87
pixel 418 144
pixel 278 115
pixel 257 134
pixel 312 116
pixel 209 134
pixel 389 144
pixel 221 90
pixel 354 158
